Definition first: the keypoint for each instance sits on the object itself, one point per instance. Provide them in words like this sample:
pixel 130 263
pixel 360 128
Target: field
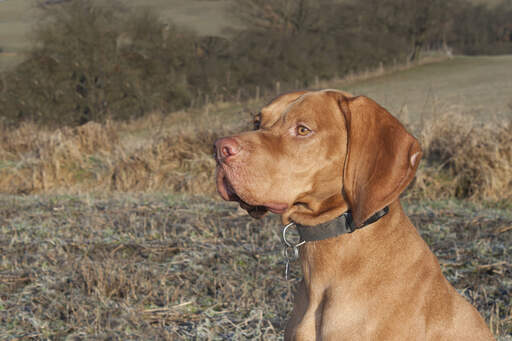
pixel 139 266
pixel 480 86
pixel 114 231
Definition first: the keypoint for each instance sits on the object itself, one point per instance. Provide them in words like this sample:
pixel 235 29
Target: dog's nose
pixel 226 147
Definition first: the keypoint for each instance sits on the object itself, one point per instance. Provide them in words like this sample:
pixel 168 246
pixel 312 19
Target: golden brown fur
pixel 314 156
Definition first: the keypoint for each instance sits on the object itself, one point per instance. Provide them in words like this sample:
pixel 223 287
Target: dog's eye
pixel 303 131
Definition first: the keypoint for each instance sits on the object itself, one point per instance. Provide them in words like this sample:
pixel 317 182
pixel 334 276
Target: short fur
pixel 379 283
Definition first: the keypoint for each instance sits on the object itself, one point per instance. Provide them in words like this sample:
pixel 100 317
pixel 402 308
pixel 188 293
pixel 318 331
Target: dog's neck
pixel 323 261
pixel 310 211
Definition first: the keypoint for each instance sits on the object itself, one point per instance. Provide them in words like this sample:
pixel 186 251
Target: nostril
pixel 227 147
pixel 226 151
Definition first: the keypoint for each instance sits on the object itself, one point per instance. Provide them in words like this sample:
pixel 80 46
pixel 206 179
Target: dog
pixel 334 165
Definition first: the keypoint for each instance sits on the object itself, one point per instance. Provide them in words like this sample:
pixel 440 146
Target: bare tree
pixel 420 22
pixel 283 16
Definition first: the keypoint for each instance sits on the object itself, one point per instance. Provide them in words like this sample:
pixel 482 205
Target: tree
pixel 419 22
pixel 91 62
pixel 282 16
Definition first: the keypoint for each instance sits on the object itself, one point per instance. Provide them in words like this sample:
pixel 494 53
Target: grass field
pixel 178 267
pixel 481 86
pixel 115 231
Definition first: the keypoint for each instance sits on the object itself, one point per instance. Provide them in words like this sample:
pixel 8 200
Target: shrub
pixel 465 158
pixel 93 62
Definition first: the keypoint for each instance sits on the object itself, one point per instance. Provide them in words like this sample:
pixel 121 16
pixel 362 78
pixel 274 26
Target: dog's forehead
pixel 272 111
pixel 312 100
pixel 298 103
pixel 313 105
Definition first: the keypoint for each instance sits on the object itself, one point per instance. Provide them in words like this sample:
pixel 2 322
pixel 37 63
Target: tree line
pixel 90 62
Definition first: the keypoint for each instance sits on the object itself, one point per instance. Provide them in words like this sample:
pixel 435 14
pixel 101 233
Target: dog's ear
pixel 382 157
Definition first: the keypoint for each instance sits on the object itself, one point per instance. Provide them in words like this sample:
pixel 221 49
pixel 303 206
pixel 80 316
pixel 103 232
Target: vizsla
pixel 316 157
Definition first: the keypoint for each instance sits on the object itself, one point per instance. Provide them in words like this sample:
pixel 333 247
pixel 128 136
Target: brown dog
pixel 315 156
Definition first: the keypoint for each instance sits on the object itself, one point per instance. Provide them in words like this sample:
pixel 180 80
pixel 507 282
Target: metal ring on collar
pixel 291 254
pixel 286 241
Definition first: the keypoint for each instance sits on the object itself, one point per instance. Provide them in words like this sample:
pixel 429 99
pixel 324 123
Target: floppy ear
pixel 382 157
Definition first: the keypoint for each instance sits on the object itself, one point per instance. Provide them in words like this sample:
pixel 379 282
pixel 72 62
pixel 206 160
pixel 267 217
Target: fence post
pixel 278 88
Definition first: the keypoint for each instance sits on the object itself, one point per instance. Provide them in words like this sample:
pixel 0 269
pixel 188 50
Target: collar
pixel 341 225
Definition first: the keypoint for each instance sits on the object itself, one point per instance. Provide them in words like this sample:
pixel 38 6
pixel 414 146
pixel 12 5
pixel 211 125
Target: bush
pixel 93 62
pixel 464 158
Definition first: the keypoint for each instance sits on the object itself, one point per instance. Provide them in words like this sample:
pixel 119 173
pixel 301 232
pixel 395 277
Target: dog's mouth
pixel 228 193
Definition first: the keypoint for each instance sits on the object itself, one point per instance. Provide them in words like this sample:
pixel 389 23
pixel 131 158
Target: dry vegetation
pixel 113 230
pixel 463 157
pixel 91 247
pixel 109 157
pixel 466 158
pixel 174 266
pixel 90 61
pixel 164 266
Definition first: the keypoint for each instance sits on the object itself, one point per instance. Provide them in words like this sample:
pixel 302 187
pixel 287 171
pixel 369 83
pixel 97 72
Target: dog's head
pixel 315 155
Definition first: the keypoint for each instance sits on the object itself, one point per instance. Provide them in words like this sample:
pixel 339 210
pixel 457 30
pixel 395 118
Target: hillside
pixel 478 85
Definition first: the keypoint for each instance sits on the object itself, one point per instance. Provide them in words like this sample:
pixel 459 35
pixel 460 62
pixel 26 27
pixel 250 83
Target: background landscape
pixel 110 227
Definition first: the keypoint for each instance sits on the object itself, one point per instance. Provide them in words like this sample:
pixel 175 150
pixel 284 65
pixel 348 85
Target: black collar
pixel 341 225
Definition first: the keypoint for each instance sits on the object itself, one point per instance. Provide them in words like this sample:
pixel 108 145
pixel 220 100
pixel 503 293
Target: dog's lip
pixel 276 208
pixel 228 193
pixel 224 188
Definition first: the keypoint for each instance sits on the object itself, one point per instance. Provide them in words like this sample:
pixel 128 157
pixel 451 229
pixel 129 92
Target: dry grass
pixel 466 158
pixel 35 160
pixel 463 157
pixel 169 267
pixel 138 267
pixel 113 156
pixel 77 264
